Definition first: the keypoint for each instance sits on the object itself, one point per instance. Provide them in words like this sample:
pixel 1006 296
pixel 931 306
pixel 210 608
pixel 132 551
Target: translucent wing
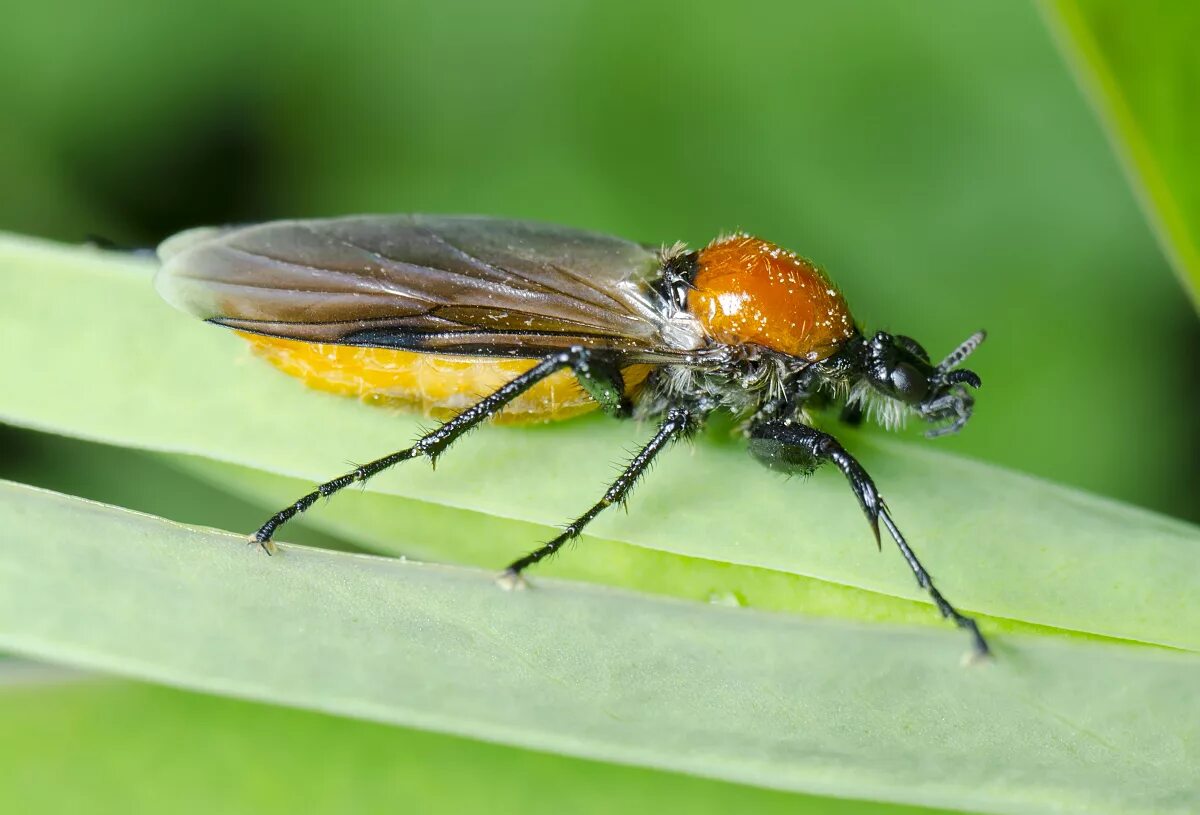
pixel 467 285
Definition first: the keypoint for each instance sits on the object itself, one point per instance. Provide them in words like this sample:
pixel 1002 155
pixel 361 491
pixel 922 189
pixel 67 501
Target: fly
pixel 426 311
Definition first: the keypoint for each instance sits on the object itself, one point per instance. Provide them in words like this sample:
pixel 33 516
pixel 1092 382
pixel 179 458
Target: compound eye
pixel 909 384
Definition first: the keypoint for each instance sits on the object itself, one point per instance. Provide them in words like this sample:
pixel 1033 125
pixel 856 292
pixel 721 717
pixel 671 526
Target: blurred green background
pixel 935 157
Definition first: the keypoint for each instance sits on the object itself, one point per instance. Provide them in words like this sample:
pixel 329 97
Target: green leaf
pixel 134 372
pixel 768 699
pixel 239 757
pixel 1137 62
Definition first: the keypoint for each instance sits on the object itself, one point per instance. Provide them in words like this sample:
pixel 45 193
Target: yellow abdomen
pixel 438 386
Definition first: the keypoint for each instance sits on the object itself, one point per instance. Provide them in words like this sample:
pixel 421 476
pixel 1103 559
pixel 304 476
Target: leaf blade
pixel 1136 63
pixel 773 700
pixel 275 760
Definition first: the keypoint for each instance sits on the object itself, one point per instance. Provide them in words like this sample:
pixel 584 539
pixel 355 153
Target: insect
pixel 550 322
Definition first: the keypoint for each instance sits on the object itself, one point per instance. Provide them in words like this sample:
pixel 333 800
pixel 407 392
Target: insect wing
pixel 470 285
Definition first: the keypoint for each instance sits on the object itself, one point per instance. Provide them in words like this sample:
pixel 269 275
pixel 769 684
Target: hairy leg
pixel 795 447
pixel 677 422
pixel 436 442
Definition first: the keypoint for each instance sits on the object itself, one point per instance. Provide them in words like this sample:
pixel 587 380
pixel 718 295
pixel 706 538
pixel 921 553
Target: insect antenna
pixel 963 351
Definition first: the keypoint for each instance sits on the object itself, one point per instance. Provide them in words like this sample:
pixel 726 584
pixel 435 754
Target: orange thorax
pixel 748 290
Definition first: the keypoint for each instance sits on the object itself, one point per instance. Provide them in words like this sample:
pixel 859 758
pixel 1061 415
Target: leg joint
pixel 574 355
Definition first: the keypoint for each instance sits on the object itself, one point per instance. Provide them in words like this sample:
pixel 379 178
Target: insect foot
pixel 267 544
pixel 510 580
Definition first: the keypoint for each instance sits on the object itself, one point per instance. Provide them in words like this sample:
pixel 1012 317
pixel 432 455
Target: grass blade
pixel 773 700
pixel 1137 62
pixel 247 759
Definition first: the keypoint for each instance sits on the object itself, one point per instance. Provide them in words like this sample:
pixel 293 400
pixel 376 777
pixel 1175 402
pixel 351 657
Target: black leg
pixel 677 422
pixel 432 444
pixel 792 447
pixel 912 346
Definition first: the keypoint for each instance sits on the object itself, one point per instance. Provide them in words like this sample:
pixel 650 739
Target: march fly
pixel 551 322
